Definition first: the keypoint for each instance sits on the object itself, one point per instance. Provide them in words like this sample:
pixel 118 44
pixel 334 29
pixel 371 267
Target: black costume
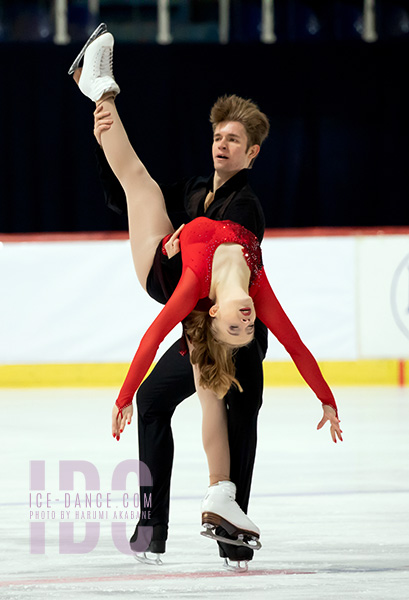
pixel 171 381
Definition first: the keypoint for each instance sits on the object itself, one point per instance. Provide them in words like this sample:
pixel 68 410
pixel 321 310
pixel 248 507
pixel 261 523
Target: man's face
pixel 229 150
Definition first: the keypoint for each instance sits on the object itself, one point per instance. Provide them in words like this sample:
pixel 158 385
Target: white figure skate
pixel 97 77
pixel 219 507
pixel 102 28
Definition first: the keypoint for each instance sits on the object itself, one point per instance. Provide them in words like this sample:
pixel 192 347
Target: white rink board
pixel 71 302
pixel 383 292
pixel 314 280
pixel 80 302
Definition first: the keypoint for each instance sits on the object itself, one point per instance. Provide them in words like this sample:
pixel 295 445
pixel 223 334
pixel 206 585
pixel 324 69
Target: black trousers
pixel 167 386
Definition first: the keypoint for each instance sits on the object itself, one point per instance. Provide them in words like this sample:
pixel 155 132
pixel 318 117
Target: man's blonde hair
pixel 246 112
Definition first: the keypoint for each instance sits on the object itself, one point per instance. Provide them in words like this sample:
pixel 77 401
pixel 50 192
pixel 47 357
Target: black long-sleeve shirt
pixel 235 201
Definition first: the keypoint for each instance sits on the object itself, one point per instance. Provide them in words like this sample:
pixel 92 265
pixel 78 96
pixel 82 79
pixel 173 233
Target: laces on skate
pixel 104 66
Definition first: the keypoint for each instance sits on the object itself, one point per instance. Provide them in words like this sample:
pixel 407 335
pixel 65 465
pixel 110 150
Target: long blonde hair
pixel 214 358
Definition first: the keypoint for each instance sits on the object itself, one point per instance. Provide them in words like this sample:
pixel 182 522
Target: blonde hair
pixel 214 358
pixel 246 112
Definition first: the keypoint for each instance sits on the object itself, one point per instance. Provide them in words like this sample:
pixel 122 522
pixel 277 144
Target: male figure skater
pixel 238 125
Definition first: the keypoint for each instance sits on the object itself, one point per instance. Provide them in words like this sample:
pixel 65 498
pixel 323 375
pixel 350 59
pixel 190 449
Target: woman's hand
pixel 102 121
pixel 172 246
pixel 118 422
pixel 330 415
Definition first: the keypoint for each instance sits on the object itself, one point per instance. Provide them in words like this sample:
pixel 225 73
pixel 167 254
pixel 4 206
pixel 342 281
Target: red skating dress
pixel 198 241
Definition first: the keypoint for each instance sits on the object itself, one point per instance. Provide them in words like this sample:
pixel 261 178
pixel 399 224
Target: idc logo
pixel 88 508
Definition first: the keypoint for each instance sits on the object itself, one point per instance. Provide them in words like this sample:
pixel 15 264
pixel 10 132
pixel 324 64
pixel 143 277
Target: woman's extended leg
pixel 214 433
pixel 148 219
pixel 147 216
pixel 214 436
pixel 219 506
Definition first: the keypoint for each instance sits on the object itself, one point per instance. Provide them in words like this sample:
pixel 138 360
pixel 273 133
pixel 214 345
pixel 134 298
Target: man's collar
pixel 234 183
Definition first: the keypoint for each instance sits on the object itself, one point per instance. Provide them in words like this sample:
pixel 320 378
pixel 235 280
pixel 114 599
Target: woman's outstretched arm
pixel 270 311
pixel 180 304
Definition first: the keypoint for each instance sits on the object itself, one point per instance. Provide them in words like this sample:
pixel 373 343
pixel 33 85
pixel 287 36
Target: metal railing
pixel 164 33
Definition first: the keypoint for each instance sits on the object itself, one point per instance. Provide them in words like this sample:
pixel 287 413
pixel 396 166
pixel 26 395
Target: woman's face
pixel 233 321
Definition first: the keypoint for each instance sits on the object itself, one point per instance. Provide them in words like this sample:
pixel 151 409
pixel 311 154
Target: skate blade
pixel 253 543
pixel 146 560
pixel 241 567
pixel 211 520
pixel 102 28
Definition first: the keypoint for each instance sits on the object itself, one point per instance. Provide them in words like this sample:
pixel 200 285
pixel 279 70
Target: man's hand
pixel 118 422
pixel 172 246
pixel 102 121
pixel 330 415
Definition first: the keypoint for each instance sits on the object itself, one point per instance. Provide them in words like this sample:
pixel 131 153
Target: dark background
pixel 337 154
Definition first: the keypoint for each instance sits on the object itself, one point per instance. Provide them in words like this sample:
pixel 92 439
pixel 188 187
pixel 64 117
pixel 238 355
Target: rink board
pixel 73 311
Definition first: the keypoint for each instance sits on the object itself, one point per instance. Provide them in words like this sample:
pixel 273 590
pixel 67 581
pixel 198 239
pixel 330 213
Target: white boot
pixel 219 507
pixel 97 77
pixel 102 28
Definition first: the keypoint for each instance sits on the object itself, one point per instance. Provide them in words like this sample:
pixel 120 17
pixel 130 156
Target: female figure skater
pixel 222 261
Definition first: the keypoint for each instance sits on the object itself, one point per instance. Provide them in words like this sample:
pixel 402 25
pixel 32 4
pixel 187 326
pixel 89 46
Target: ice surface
pixel 334 519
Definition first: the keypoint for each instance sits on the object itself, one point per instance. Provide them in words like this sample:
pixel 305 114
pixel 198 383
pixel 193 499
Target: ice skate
pixel 102 28
pixel 148 559
pixel 235 558
pixel 219 508
pixel 97 77
pixel 148 543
